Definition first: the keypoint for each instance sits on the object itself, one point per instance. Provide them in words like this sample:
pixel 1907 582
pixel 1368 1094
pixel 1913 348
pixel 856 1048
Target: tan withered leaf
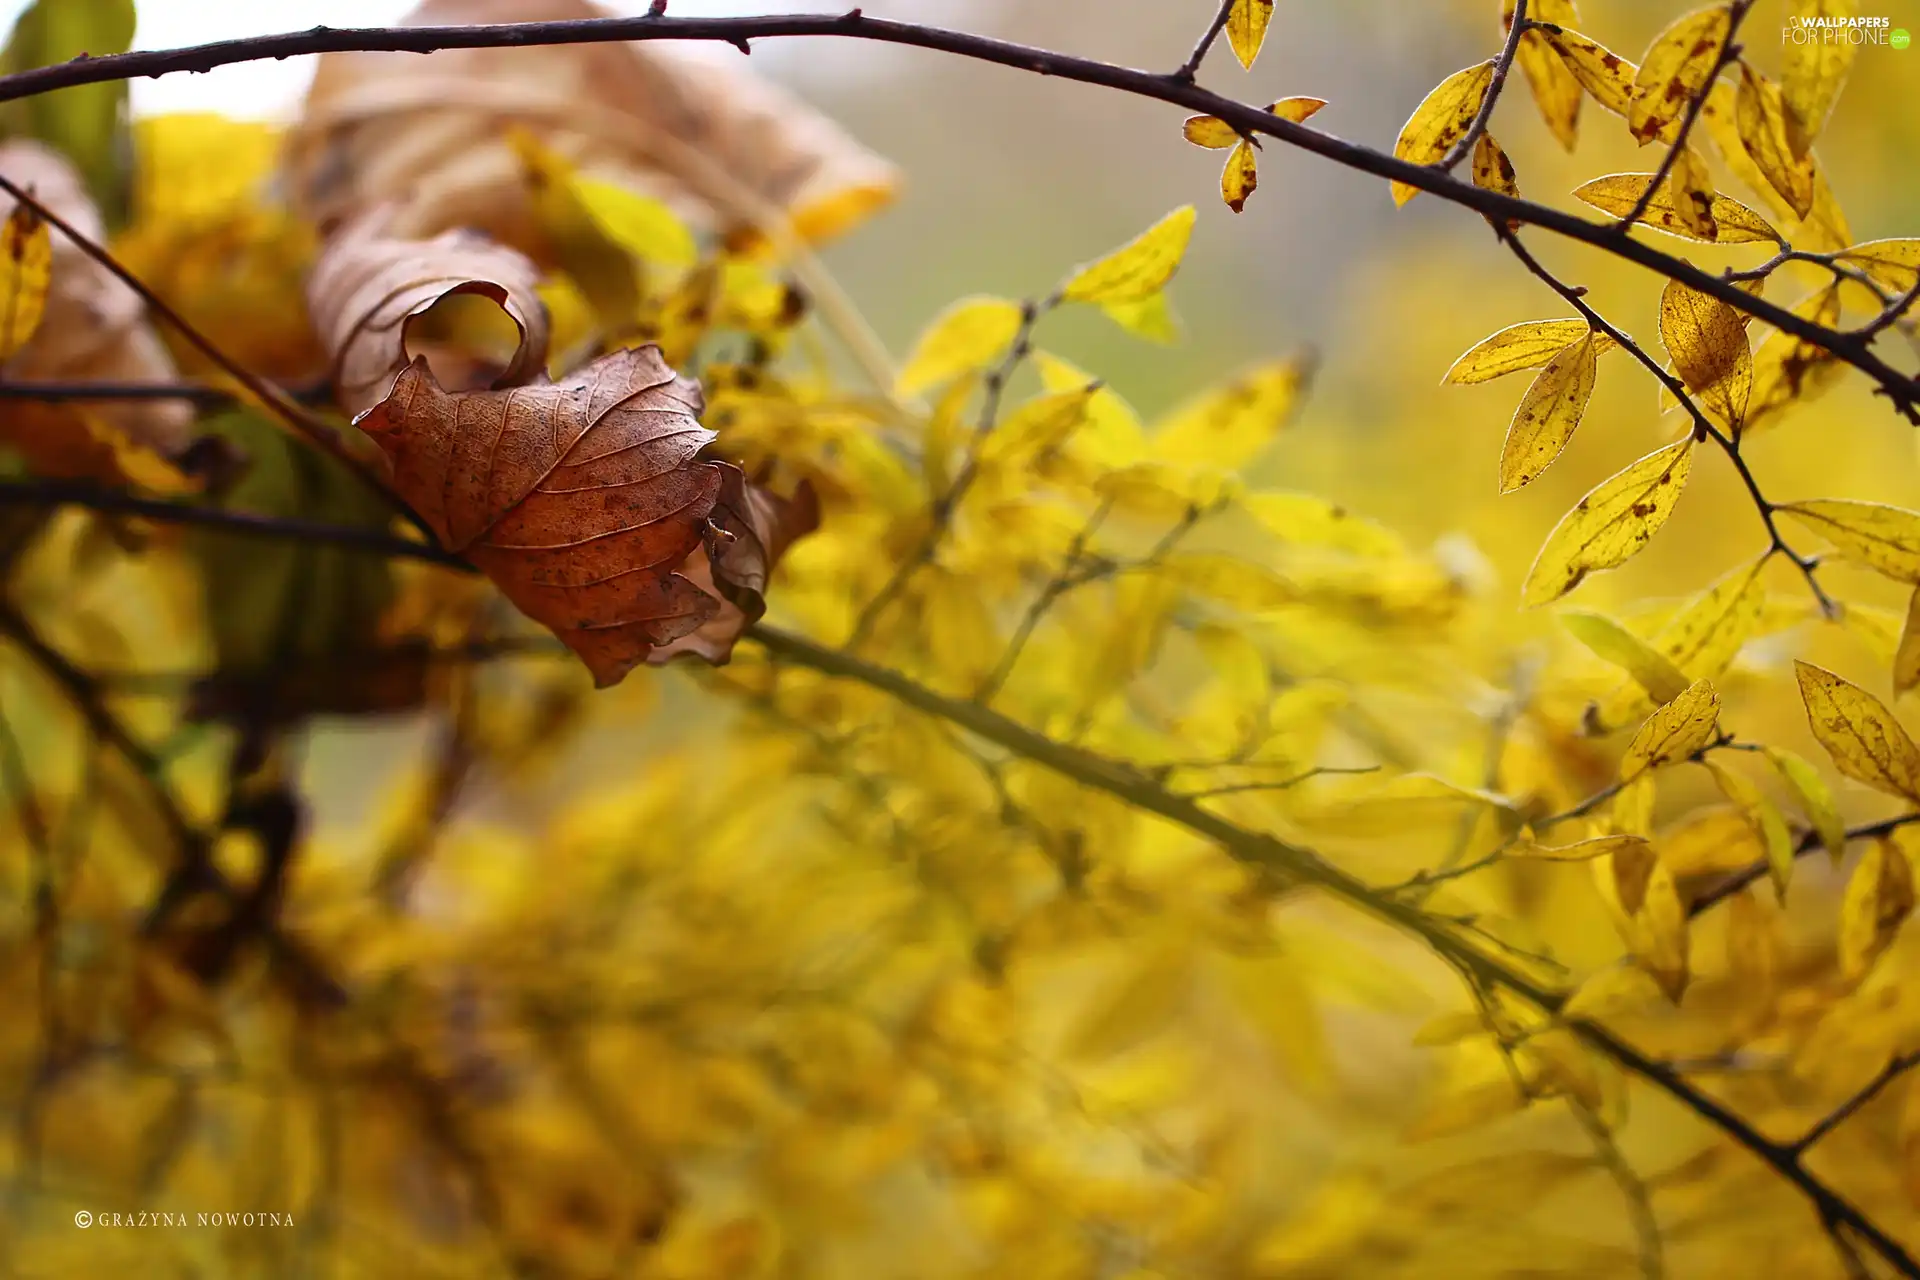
pixel 92 328
pixel 1492 169
pixel 725 149
pixel 583 501
pixel 369 286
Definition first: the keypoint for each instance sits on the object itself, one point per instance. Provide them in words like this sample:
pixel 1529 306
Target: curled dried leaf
pixel 370 286
pixel 1766 130
pixel 587 503
pixel 726 150
pixel 1240 176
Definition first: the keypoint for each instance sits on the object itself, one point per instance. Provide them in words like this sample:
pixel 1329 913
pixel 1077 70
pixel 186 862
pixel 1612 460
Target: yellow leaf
pixel 1464 1108
pixel 644 226
pixel 1631 812
pixel 1210 132
pixel 596 263
pixel 1548 414
pixel 1909 1139
pixel 1893 264
pixel 1303 519
pixel 1815 798
pixel 1906 658
pixel 970 334
pixel 1674 732
pixel 1240 177
pixel 1813 71
pixel 1711 841
pixel 1650 668
pixel 1753 945
pixel 1878 899
pixel 1883 538
pixel 1733 222
pixel 1441 120
pixel 1611 991
pixel 1604 74
pixel 1140 1004
pixel 1861 735
pixel 1608 526
pixel 26 269
pixel 1556 90
pixel 1491 168
pixel 1708 342
pixel 1690 191
pixel 1677 68
pixel 1039 425
pixel 1297 109
pixel 1659 933
pixel 1247 27
pixel 1526 345
pixel 1228 426
pixel 1763 816
pixel 1789 370
pixel 1150 317
pixel 1631 869
pixel 1270 992
pixel 1138 269
pixel 1760 115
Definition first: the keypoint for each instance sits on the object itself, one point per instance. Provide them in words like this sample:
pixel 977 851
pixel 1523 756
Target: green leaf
pixel 87 123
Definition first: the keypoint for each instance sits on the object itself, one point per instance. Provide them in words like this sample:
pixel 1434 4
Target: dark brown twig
pixel 1501 66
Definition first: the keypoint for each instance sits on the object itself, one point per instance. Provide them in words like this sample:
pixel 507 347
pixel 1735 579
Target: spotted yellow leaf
pixel 1492 170
pixel 1789 370
pixel 26 270
pixel 1548 414
pixel 1760 115
pixel 1674 732
pixel 1708 342
pixel 1690 191
pixel 1240 177
pixel 1527 345
pixel 1556 90
pixel 1892 264
pixel 1608 526
pixel 1441 120
pixel 1247 28
pixel 1882 537
pixel 1677 68
pixel 1733 222
pixel 1605 75
pixel 1862 736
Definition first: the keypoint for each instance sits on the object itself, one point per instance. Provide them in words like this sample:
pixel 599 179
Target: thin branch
pixel 1191 66
pixel 1633 1188
pixel 1270 853
pixel 1516 27
pixel 1901 388
pixel 1729 51
pixel 1894 1069
pixel 1809 841
pixel 945 504
pixel 59 493
pixel 203 394
pixel 1703 426
pixel 303 422
pixel 1278 784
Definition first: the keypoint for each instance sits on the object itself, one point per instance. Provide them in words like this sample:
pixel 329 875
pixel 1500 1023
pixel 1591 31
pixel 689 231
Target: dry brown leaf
pixel 581 499
pixel 94 329
pixel 722 147
pixel 370 285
